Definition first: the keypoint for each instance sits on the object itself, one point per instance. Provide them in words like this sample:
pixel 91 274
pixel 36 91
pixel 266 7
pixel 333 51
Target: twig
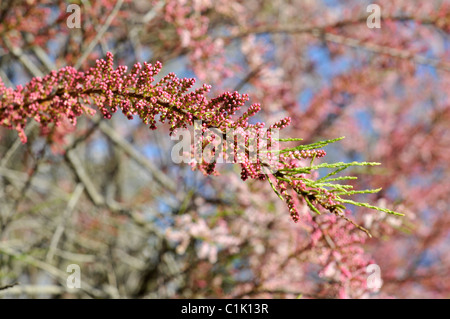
pixel 15 146
pixel 319 32
pixel 84 178
pixel 26 62
pixel 119 141
pixel 393 52
pixel 39 290
pixel 8 286
pixel 60 228
pixel 51 270
pixel 99 35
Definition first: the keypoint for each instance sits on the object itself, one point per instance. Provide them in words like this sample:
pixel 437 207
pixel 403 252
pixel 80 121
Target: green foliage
pixel 327 193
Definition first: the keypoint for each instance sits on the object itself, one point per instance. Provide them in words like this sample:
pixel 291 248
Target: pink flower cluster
pixel 69 93
pixel 192 26
pixel 212 238
pixel 342 257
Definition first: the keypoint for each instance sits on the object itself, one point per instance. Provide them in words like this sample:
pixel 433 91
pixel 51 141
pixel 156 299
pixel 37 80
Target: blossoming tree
pixel 103 191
